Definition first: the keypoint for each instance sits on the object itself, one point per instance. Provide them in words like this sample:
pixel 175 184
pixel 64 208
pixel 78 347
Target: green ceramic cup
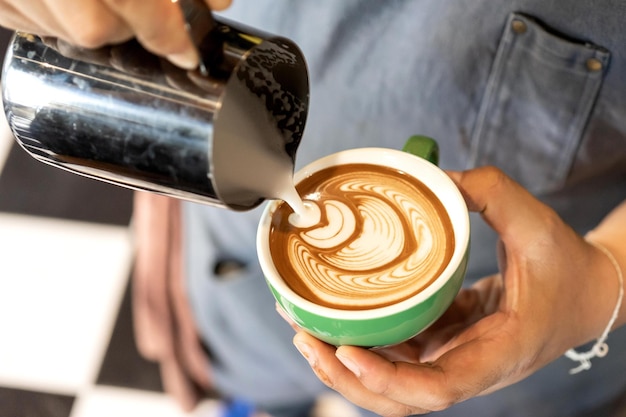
pixel 395 323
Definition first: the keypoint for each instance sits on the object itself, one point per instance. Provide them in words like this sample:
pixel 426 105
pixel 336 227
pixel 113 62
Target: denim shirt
pixel 535 87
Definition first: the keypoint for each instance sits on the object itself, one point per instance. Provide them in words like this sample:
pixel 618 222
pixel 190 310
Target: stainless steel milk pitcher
pixel 125 116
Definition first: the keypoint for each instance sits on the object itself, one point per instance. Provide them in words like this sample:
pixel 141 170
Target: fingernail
pixel 349 363
pixel 185 60
pixel 306 351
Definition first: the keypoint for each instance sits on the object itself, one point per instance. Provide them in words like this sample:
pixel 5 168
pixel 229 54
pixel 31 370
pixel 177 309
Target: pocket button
pixel 594 64
pixel 518 26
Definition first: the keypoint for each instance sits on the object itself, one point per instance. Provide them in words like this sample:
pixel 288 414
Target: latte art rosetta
pixel 383 237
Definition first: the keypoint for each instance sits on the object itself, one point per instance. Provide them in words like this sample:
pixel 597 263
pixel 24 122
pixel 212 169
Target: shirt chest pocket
pixel 538 99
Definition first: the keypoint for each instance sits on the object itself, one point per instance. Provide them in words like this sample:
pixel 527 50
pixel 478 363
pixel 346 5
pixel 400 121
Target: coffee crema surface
pixel 382 238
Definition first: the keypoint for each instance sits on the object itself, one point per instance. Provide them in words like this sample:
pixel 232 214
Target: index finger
pixel 160 27
pixel 334 374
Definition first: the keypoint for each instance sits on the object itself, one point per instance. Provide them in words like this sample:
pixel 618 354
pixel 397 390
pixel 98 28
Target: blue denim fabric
pixel 541 91
pixel 544 101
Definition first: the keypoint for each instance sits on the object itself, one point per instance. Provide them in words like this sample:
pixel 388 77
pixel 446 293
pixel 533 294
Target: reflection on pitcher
pixel 126 116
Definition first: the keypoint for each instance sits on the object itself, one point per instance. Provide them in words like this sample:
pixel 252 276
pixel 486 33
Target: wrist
pixel 613 255
pixel 600 347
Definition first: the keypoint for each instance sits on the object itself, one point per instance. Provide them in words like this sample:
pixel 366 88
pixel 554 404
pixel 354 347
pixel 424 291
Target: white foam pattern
pixel 380 241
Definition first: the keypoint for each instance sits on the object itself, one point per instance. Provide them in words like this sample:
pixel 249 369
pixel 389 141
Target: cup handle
pixel 424 147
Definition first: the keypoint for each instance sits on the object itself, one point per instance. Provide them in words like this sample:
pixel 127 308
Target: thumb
pixel 514 213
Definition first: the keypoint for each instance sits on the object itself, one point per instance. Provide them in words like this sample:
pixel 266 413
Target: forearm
pixel 611 233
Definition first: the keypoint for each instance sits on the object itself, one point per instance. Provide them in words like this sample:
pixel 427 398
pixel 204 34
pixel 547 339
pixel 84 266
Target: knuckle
pixel 447 399
pixel 380 386
pixel 163 41
pixel 400 410
pixel 324 377
pixel 409 411
pixel 552 222
pixel 156 40
pixel 92 29
pixel 91 36
pixel 442 405
pixel 495 177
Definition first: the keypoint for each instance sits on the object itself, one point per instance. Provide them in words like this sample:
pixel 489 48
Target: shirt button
pixel 594 64
pixel 518 26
